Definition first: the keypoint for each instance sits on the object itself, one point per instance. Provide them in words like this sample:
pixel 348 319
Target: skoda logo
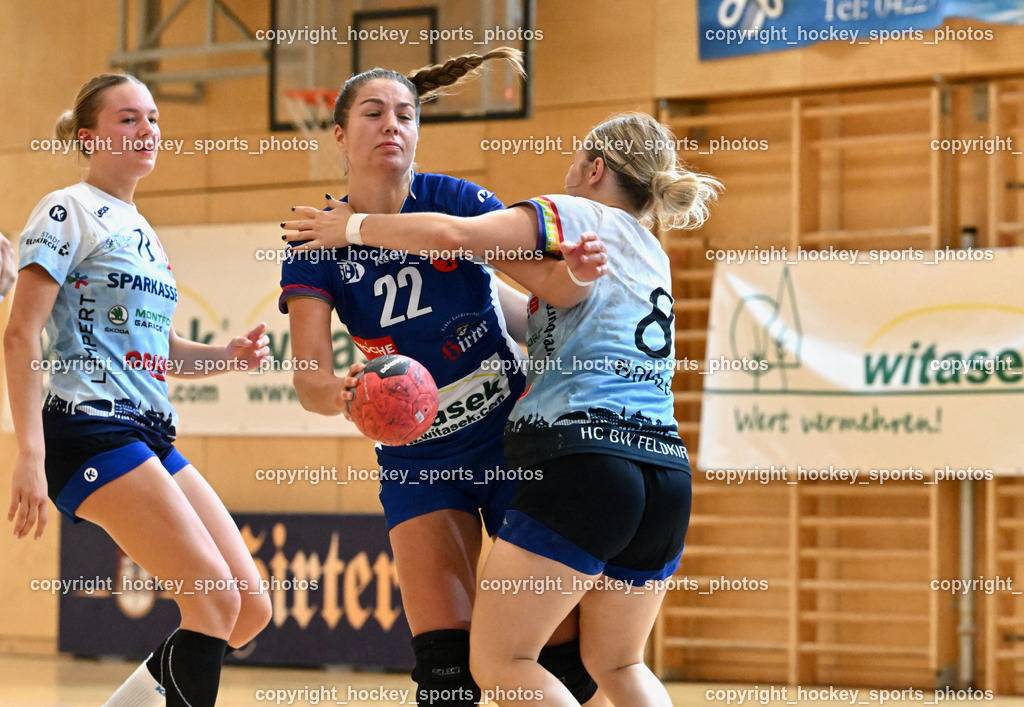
pixel 117 315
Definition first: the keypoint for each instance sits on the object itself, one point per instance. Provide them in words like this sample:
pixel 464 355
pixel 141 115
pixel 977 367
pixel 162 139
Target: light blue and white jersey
pixel 110 324
pixel 600 373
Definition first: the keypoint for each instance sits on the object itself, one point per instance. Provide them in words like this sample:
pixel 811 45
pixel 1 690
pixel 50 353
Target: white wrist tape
pixel 352 228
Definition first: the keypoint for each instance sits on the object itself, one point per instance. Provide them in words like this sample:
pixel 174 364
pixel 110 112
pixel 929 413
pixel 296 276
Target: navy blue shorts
pixel 602 514
pixel 474 481
pixel 77 466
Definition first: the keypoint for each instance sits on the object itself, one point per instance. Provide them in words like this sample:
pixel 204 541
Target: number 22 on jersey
pixel 388 287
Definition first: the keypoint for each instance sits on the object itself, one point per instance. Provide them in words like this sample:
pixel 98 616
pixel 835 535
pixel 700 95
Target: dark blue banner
pixel 737 27
pixel 331 581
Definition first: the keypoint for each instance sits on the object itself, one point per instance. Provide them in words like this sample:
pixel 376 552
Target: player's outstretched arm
pixel 507 238
pixel 491 236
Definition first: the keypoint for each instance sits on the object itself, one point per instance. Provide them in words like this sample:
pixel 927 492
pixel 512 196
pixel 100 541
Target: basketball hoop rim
pixel 313 97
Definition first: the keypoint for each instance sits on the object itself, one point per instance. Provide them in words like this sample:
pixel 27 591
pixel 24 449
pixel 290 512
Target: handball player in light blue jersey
pixel 93 272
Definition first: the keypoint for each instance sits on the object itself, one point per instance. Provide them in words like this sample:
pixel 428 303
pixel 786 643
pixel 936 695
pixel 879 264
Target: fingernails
pixel 282 224
pixel 293 208
pixel 283 238
pixel 328 196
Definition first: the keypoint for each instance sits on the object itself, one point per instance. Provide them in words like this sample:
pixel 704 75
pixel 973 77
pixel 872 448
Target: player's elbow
pixel 17 338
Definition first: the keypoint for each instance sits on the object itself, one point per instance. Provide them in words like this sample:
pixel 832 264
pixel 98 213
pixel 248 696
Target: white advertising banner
pixel 850 363
pixel 228 279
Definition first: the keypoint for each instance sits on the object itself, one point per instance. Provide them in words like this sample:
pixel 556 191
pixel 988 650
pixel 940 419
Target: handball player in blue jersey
pixel 92 270
pixel 461 322
pixel 602 519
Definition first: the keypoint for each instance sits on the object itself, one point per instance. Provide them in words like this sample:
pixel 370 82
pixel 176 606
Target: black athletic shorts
pixel 602 514
pixel 77 466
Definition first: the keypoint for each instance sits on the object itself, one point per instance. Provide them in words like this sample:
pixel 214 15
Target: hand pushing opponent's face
pixel 381 130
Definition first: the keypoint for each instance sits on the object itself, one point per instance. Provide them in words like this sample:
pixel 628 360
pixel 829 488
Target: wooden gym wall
pixel 589 64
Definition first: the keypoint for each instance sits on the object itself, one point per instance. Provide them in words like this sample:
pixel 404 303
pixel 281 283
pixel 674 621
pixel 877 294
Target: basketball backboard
pixel 317 44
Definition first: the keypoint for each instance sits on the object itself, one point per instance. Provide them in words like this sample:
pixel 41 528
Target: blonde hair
pixel 88 104
pixel 428 82
pixel 641 153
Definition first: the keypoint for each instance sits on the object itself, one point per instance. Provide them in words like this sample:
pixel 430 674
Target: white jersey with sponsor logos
pixel 110 324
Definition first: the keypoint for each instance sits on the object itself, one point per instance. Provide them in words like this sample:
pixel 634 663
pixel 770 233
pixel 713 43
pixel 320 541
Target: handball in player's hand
pixel 395 400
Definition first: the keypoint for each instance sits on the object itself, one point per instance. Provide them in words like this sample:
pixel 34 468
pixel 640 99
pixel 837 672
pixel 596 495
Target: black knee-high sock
pixel 155 660
pixel 188 666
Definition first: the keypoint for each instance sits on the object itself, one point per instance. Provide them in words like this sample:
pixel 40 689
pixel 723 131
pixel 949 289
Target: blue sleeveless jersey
pixel 110 324
pixel 600 373
pixel 443 313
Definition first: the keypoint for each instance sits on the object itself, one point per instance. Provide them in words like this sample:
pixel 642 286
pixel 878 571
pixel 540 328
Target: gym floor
pixel 68 682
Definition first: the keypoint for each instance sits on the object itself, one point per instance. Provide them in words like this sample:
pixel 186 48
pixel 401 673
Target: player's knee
pixel 484 673
pixel 213 604
pixel 253 616
pixel 565 663
pixel 442 671
pixel 603 666
pixel 224 608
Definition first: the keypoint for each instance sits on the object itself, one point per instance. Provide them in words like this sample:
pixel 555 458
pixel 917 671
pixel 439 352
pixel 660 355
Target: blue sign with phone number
pixel 737 27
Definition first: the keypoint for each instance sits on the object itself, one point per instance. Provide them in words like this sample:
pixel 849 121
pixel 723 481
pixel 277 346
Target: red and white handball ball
pixel 395 400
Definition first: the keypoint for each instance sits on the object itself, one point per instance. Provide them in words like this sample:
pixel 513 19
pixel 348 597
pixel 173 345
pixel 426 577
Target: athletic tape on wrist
pixel 352 234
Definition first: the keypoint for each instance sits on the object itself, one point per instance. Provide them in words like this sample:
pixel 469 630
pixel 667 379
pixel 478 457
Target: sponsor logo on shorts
pixel 91 474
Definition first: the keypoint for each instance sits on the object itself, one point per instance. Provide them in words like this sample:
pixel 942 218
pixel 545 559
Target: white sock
pixel 140 690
